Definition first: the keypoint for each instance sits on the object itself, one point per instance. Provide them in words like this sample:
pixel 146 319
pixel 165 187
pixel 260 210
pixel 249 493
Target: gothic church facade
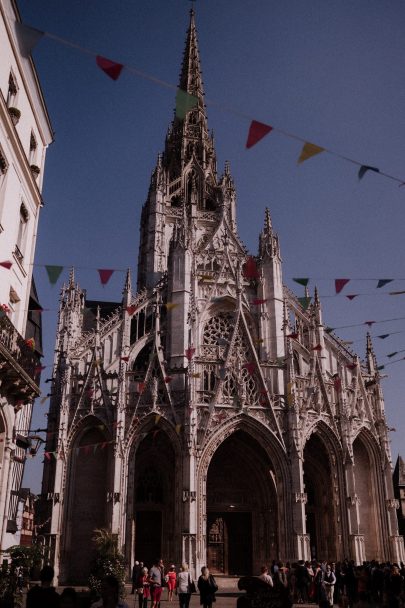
pixel 210 417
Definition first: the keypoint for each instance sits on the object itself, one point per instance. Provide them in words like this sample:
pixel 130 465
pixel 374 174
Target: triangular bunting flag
pixel 178 428
pixel 340 283
pixel 250 368
pixel 337 383
pixel 170 305
pixel 6 264
pixel 294 336
pixel 329 330
pixel 250 269
pixel 303 281
pixel 392 354
pixel 317 347
pixel 126 359
pixel 309 150
pixel 190 352
pixel 53 273
pixel 383 336
pixel 257 131
pixel 258 302
pixel 382 282
pixel 305 302
pixel 364 168
pixel 130 310
pixel 352 296
pixel 184 103
pixel 27 38
pixel 369 323
pixel 105 275
pixel 111 68
pixel 380 367
pixel 168 379
pixel 351 365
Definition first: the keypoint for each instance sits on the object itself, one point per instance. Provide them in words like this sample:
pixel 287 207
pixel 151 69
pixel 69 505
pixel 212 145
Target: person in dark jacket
pixel 44 596
pixel 207 587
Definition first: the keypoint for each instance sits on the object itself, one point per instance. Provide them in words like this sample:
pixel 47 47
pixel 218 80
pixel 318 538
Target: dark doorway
pixel 241 507
pixel 148 544
pixel 230 543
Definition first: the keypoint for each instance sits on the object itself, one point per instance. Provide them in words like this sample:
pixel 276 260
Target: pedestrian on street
pixel 207 587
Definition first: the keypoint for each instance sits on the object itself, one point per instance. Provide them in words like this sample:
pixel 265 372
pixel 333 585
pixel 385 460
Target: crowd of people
pixel 340 583
pixel 325 584
pixel 149 585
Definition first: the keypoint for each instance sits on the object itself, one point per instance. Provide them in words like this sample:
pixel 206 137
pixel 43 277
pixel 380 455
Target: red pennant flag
pixel 250 269
pixel 340 283
pixel 130 310
pixel 258 302
pixel 124 359
pixel 111 68
pixel 190 353
pixel 168 379
pixel 47 455
pixel 250 368
pixel 293 336
pixel 257 131
pixel 30 343
pixel 7 264
pixel 141 387
pixel 351 365
pixel 105 275
pixel 337 383
pixel 351 297
pixel 317 347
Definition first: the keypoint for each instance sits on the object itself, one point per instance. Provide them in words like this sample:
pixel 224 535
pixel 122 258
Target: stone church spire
pixel 184 184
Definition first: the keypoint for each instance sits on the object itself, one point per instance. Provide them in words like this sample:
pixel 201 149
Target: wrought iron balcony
pixel 19 364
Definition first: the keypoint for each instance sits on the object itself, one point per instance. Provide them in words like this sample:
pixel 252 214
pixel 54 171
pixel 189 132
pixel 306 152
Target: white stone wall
pixel 18 186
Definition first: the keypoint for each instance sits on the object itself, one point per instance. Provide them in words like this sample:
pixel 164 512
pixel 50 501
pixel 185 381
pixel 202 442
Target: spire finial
pixel 72 278
pixel 267 221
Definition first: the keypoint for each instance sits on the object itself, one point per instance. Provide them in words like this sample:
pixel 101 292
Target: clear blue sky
pixel 330 72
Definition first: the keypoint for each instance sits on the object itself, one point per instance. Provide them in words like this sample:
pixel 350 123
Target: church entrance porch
pixel 242 512
pixel 229 543
pixel 320 507
pixel 153 499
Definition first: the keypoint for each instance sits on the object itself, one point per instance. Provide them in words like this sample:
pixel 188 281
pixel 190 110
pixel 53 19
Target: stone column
pixel 301 541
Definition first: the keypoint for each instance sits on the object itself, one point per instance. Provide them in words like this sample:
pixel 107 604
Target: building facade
pixel 211 416
pixel 25 133
pixel 399 492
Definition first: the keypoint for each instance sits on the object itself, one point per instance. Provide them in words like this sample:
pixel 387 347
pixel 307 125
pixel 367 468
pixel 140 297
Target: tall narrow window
pixel 12 90
pixel 33 149
pixel 22 233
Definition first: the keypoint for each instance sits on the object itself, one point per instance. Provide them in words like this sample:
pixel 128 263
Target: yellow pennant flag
pixel 309 150
pixel 178 428
pixel 157 418
pixel 170 305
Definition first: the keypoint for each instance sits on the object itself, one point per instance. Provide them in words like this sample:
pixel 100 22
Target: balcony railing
pixel 19 363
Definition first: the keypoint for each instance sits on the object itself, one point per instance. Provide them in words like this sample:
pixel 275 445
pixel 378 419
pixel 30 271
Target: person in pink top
pixel 171 582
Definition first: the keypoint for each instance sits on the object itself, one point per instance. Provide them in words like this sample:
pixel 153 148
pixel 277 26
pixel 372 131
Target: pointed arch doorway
pixel 242 514
pixel 320 508
pixel 154 504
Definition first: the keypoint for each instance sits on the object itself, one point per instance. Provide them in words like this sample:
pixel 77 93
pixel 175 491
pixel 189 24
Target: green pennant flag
pixel 303 282
pixel 305 302
pixel 184 103
pixel 53 273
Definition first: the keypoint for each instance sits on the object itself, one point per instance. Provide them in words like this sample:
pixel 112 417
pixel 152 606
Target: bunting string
pixel 29 37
